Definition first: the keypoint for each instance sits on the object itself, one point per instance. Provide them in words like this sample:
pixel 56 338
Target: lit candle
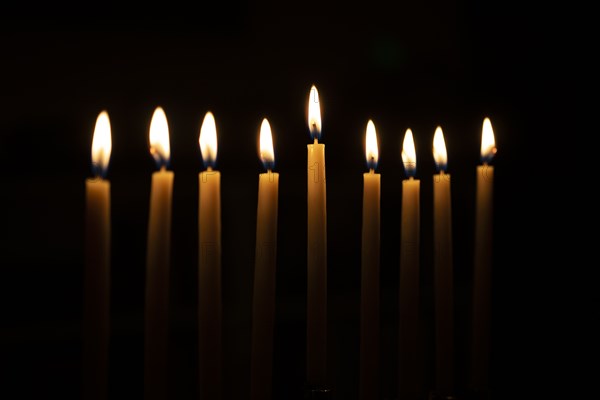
pixel 209 264
pixel 97 266
pixel 408 366
pixel 158 261
pixel 316 338
pixel 443 282
pixel 264 271
pixel 483 260
pixel 369 296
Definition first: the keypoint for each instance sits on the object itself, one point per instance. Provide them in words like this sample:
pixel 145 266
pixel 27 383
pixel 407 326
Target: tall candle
pixel 483 261
pixel 316 337
pixel 409 365
pixel 209 265
pixel 97 266
pixel 263 311
pixel 443 281
pixel 369 296
pixel 158 261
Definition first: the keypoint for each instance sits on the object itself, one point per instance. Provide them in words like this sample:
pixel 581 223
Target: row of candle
pixel 209 223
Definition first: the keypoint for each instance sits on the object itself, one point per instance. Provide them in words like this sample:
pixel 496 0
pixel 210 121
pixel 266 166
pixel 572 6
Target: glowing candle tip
pixel 101 145
pixel 409 154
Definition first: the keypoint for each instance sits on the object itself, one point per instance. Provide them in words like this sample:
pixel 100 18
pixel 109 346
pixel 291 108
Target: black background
pixel 414 65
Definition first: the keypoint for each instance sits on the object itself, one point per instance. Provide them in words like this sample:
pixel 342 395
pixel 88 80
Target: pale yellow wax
pixel 369 296
pixel 209 284
pixel 96 289
pixel 263 314
pixel 409 361
pixel 316 340
pixel 482 277
pixel 443 283
pixel 157 285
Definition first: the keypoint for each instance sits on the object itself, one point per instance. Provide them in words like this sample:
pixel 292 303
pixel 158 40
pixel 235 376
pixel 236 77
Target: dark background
pixel 416 65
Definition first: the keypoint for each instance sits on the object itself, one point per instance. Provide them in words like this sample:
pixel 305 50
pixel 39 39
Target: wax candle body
pixel 409 361
pixel 97 289
pixel 157 285
pixel 264 287
pixel 209 283
pixel 443 283
pixel 369 296
pixel 317 267
pixel 482 277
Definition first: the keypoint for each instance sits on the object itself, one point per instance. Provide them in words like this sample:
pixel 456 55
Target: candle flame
pixel 160 147
pixel 101 145
pixel 371 149
pixel 267 155
pixel 488 142
pixel 208 140
pixel 439 150
pixel 409 154
pixel 314 113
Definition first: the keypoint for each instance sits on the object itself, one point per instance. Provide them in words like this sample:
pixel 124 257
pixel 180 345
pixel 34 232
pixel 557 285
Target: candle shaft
pixel 209 280
pixel 264 287
pixel 482 277
pixel 96 289
pixel 443 284
pixel 409 361
pixel 369 299
pixel 157 285
pixel 317 267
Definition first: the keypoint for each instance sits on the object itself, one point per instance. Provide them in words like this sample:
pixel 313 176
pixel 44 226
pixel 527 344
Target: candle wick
pixel 209 168
pixel 163 168
pixel 371 171
pixel 316 141
pixel 269 171
pixel 410 178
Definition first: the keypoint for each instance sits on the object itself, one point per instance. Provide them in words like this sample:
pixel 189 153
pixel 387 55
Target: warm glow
pixel 267 155
pixel 101 145
pixel 160 147
pixel 488 143
pixel 409 154
pixel 314 113
pixel 208 140
pixel 439 150
pixel 371 150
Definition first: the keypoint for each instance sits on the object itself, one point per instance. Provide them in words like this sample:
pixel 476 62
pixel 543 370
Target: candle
pixel 443 285
pixel 209 264
pixel 408 366
pixel 97 266
pixel 158 261
pixel 264 271
pixel 483 261
pixel 369 296
pixel 316 338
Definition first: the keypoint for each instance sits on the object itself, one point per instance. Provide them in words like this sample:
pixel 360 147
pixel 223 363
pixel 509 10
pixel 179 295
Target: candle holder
pixel 478 394
pixel 317 393
pixel 433 395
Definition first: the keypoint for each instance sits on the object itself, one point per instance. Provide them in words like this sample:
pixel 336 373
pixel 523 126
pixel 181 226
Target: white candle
pixel 158 261
pixel 96 313
pixel 316 338
pixel 443 281
pixel 369 296
pixel 209 265
pixel 264 272
pixel 408 365
pixel 483 261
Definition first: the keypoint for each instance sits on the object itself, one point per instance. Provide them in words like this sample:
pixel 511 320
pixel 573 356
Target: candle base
pixel 317 393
